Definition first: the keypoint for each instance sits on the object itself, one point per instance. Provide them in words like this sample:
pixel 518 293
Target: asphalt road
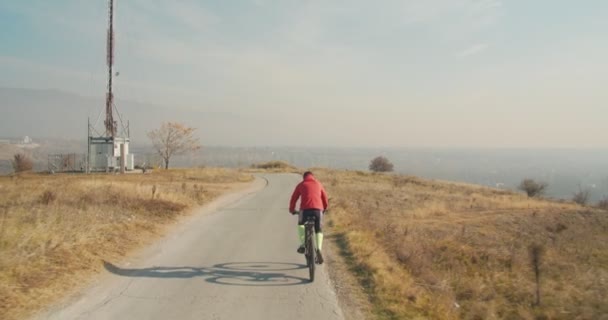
pixel 234 259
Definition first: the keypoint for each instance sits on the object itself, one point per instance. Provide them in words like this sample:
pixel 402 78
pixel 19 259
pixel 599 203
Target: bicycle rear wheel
pixel 310 253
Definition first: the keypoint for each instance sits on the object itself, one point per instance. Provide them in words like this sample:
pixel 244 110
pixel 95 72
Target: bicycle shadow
pixel 233 274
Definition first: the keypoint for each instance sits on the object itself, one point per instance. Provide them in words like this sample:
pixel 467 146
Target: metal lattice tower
pixel 109 151
pixel 110 124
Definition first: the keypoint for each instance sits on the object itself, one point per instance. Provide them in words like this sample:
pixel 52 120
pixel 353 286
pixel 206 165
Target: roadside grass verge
pixel 55 229
pixel 426 249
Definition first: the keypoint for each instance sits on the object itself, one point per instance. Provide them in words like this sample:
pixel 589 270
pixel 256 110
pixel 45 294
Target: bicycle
pixel 309 246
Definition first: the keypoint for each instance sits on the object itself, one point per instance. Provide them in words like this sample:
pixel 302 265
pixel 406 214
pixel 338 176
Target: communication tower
pixel 109 151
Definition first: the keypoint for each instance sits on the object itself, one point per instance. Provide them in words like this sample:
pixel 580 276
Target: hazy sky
pixel 458 73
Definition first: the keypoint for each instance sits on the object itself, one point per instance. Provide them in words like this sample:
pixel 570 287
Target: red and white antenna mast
pixel 109 122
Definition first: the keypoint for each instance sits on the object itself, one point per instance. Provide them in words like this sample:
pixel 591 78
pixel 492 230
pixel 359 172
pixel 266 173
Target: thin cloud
pixel 473 50
pixel 433 11
pixel 189 14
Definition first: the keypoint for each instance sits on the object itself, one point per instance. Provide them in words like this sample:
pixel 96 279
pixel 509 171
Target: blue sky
pixel 456 73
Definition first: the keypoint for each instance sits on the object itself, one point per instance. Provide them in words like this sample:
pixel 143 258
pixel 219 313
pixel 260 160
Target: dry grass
pixel 55 230
pixel 437 250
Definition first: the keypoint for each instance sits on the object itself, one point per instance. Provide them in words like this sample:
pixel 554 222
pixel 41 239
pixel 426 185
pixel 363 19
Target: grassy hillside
pixel 54 230
pixel 437 250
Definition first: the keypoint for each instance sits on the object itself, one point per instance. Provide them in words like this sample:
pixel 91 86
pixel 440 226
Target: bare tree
pixel 380 164
pixel 533 188
pixel 21 163
pixel 173 138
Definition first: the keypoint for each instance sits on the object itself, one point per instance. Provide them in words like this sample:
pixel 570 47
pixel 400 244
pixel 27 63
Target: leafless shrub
pixel 533 188
pixel 581 196
pixel 558 228
pixel 333 182
pixel 22 162
pixel 401 181
pixel 3 224
pixel 380 164
pixel 603 204
pixel 272 165
pixel 47 197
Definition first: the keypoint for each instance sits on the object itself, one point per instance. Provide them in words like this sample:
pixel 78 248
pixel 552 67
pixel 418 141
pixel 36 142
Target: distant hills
pixel 58 122
pixel 43 114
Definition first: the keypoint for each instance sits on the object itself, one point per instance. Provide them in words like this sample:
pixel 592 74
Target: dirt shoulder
pixel 351 297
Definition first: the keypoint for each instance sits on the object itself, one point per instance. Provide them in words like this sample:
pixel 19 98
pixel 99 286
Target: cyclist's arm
pixel 294 198
pixel 324 198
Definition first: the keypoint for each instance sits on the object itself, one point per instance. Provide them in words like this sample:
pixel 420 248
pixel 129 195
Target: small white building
pixel 105 154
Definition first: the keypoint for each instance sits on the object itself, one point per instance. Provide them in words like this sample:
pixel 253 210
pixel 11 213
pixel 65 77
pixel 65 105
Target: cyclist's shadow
pixel 234 273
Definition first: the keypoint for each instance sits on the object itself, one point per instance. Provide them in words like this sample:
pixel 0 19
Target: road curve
pixel 234 259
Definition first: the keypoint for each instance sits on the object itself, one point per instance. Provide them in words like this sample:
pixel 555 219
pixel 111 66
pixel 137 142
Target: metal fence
pixel 77 162
pixel 6 166
pixel 148 161
pixel 67 162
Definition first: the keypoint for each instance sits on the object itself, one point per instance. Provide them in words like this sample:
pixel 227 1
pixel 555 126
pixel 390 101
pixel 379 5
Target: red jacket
pixel 312 195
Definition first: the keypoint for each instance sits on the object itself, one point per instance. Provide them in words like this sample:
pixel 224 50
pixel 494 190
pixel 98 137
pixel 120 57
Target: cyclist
pixel 313 202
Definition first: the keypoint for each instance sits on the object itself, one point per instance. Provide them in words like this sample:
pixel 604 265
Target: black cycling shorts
pixel 318 214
